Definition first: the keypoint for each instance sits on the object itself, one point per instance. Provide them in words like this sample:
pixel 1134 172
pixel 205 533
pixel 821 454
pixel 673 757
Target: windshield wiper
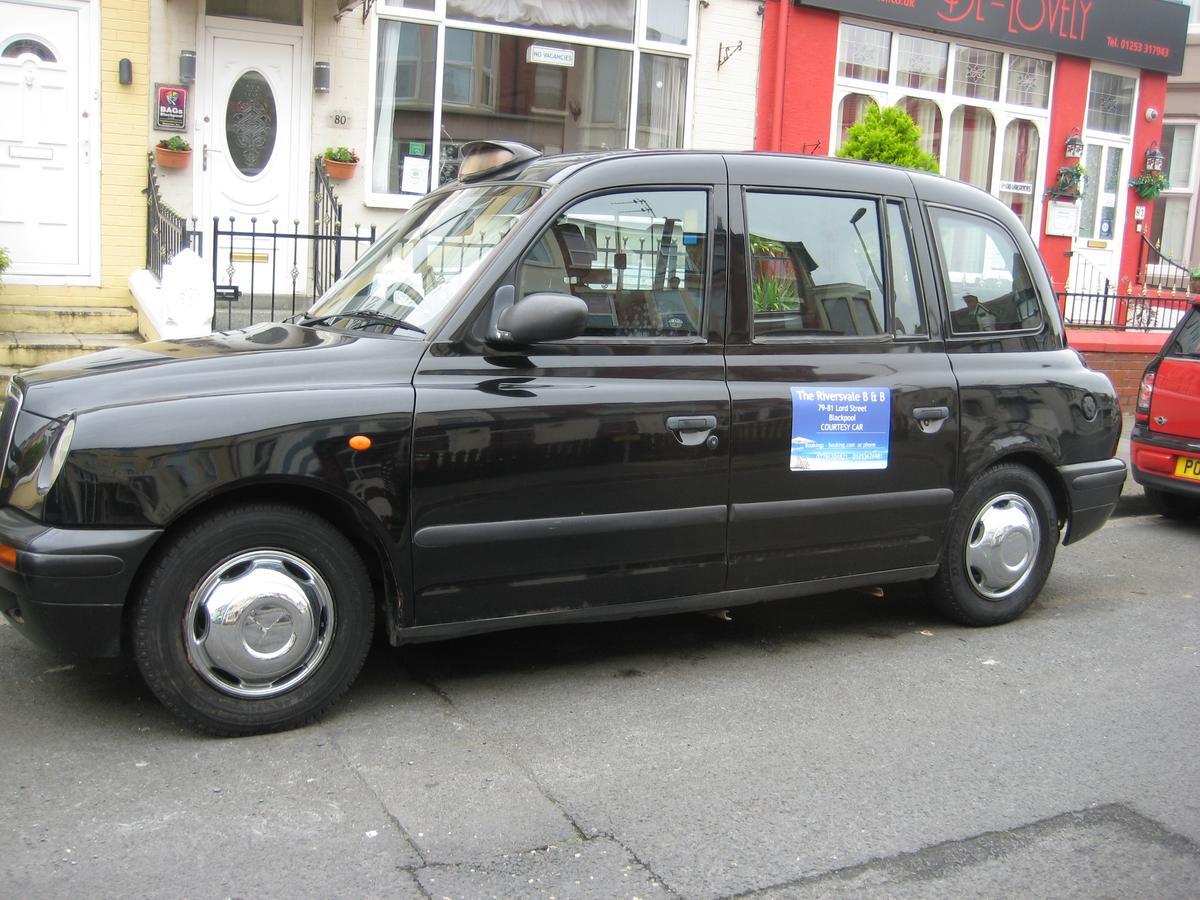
pixel 366 316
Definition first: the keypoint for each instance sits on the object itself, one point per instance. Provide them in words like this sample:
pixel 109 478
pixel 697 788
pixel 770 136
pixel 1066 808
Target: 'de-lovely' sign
pixel 1146 34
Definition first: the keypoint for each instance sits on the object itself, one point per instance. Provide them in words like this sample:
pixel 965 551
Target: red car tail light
pixel 1145 395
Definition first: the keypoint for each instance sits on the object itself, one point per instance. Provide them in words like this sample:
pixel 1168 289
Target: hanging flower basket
pixel 1149 185
pixel 173 153
pixel 340 163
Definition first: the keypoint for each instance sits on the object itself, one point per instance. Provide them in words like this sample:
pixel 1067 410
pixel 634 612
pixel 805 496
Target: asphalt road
pixel 844 745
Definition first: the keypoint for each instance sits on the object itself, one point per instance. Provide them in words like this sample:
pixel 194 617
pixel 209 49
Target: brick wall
pixel 1123 369
pixel 725 100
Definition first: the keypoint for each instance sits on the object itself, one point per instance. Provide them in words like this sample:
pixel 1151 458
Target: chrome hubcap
pixel 1002 546
pixel 259 624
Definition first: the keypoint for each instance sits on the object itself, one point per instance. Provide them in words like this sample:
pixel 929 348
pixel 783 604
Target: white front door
pixel 47 184
pixel 1096 261
pixel 250 153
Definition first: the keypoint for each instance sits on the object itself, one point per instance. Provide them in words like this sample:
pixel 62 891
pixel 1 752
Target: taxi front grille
pixel 13 397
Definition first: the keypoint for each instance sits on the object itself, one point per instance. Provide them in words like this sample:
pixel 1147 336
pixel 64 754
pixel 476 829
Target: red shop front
pixel 1008 94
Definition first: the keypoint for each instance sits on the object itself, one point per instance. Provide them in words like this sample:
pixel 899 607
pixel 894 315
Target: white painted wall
pixel 173 28
pixel 726 100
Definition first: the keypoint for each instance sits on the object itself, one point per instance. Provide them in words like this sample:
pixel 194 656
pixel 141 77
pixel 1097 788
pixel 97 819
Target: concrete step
pixel 24 349
pixel 68 319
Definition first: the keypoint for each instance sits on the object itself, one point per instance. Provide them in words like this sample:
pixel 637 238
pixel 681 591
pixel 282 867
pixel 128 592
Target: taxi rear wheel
pixel 254 619
pixel 999 548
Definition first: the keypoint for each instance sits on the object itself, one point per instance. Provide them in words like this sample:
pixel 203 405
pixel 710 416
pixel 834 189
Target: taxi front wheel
pixel 999 547
pixel 256 618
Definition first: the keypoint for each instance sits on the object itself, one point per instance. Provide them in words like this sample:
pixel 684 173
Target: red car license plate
pixel 1187 467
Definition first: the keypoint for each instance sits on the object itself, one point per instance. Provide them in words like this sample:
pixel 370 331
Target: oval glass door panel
pixel 250 123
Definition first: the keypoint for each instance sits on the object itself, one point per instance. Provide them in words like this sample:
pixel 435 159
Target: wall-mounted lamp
pixel 321 77
pixel 125 72
pixel 1075 145
pixel 1154 158
pixel 187 66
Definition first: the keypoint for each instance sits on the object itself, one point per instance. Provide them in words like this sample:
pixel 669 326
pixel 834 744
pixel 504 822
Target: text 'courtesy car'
pixel 565 389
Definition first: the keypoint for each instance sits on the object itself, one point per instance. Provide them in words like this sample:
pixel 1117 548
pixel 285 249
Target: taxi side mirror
pixel 538 318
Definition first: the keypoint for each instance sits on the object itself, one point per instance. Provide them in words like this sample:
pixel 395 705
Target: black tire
pixel 1172 506
pixel 254 554
pixel 982 583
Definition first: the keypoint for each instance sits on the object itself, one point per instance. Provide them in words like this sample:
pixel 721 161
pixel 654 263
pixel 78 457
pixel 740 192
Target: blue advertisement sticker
pixel 840 428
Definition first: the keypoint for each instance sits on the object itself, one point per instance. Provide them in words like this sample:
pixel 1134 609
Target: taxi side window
pixel 816 265
pixel 988 285
pixel 637 259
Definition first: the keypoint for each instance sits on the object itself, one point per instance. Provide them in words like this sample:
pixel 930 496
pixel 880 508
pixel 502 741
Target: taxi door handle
pixel 692 431
pixel 931 413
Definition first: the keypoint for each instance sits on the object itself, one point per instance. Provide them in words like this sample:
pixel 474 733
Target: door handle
pixel 931 413
pixel 692 423
pixel 931 418
pixel 692 431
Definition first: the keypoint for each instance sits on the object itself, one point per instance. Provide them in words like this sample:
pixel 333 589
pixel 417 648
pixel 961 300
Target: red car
pixel 1165 441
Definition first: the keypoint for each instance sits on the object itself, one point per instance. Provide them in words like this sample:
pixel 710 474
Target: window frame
pixel 942 275
pixel 880 203
pixel 513 275
pixel 441 20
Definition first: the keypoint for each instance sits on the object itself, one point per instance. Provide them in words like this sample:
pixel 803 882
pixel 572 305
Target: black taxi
pixel 565 389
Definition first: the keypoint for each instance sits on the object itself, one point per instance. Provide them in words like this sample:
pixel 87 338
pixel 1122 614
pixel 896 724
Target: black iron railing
pixel 1160 271
pixel 167 231
pixel 1150 311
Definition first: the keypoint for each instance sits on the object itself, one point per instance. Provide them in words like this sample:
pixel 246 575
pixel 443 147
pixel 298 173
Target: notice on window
pixel 836 429
pixel 414 175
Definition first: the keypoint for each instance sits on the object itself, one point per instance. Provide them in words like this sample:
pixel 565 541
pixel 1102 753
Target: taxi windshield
pixel 418 267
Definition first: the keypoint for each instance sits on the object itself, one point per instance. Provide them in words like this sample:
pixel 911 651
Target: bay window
pixel 559 75
pixel 983 112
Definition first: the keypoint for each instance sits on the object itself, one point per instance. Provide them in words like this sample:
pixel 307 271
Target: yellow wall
pixel 124 139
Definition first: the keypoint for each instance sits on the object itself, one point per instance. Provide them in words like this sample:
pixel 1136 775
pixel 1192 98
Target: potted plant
pixel 1149 184
pixel 340 162
pixel 1195 273
pixel 1068 185
pixel 173 153
pixel 5 260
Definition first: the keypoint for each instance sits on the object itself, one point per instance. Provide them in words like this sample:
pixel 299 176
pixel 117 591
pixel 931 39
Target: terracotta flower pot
pixel 339 170
pixel 172 159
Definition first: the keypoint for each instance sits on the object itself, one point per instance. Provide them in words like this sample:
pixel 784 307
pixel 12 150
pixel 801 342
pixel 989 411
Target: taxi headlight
pixel 45 454
pixel 53 463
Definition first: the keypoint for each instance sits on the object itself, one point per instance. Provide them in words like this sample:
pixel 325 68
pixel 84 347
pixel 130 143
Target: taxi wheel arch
pixel 999 547
pixel 308 617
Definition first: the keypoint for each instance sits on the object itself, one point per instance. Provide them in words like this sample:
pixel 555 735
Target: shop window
pixel 977 73
pixel 638 260
pixel 662 88
pixel 816 265
pixel 403 132
pixel 591 85
pixel 972 146
pixel 1018 169
pixel 864 53
pixel 928 117
pixel 853 109
pixel 1110 103
pixel 667 21
pixel 988 285
pixel 611 19
pixel 921 63
pixel 1029 81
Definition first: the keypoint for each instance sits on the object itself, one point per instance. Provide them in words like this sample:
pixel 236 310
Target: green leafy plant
pixel 5 260
pixel 1149 185
pixel 176 143
pixel 1068 186
pixel 341 154
pixel 887 135
pixel 773 294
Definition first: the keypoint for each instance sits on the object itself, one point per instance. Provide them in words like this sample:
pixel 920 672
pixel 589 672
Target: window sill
pixel 391 201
